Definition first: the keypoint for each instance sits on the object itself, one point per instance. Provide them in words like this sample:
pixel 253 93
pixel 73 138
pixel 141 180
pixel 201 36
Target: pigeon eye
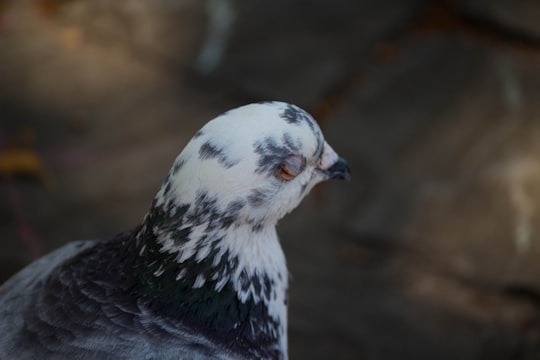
pixel 291 167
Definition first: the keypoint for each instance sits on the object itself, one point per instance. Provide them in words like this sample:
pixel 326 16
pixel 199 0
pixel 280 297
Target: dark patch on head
pixel 212 151
pixel 177 166
pixel 294 115
pixel 198 134
pixel 303 189
pixel 272 153
pixel 209 151
pixel 292 143
pixel 320 146
pixel 258 197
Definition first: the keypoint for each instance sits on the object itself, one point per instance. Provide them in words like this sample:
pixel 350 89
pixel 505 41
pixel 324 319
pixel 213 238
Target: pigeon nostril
pixel 340 170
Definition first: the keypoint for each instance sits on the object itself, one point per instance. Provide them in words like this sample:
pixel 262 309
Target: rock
pixel 279 46
pixel 83 53
pixel 519 16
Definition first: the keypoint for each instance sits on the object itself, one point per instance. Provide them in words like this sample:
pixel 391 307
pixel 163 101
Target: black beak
pixel 339 170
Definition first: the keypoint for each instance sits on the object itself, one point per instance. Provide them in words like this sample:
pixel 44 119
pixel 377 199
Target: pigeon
pixel 203 276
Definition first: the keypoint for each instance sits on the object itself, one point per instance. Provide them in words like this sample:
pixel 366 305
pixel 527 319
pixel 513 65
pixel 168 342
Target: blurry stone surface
pixel 328 41
pixel 95 51
pixel 517 15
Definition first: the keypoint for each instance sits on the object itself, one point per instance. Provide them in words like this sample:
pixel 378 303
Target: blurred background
pixel 431 252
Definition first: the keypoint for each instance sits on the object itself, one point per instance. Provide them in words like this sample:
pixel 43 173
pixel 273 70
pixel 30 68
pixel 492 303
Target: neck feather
pixel 216 273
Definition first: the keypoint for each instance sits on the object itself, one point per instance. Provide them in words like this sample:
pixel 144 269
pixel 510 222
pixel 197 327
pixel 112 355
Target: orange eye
pixel 291 167
pixel 285 173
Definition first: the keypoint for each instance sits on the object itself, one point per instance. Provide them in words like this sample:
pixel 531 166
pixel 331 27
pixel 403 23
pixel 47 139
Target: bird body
pixel 203 276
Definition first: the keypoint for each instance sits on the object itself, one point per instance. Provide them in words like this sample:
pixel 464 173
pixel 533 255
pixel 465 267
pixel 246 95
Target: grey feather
pixel 40 329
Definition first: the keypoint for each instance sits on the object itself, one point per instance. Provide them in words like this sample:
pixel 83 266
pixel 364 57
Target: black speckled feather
pixel 106 294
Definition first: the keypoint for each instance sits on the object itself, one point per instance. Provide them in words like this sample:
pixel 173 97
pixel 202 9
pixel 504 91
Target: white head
pixel 260 160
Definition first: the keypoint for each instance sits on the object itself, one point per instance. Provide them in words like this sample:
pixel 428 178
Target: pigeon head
pixel 256 162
